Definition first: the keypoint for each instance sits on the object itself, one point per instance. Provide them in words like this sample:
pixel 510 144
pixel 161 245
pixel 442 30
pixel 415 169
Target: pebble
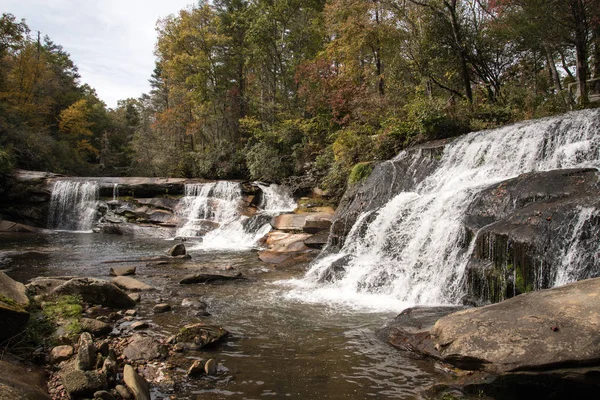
pixel 161 308
pixel 131 313
pixel 61 353
pixel 210 367
pixel 196 369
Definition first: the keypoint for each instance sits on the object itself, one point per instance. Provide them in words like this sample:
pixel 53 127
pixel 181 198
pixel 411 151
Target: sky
pixel 110 41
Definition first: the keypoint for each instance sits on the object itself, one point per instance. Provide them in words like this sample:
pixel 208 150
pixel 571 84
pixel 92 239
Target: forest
pixel 306 92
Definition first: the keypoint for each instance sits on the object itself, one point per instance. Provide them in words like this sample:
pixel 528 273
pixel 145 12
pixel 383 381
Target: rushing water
pixel 73 205
pixel 278 347
pixel 409 250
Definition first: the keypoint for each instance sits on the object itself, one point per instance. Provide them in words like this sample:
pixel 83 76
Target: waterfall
pixel 115 191
pixel 410 250
pixel 73 205
pixel 275 198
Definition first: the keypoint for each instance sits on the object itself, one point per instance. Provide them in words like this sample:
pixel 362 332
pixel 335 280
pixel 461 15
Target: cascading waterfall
pixel 275 198
pixel 115 191
pixel 409 250
pixel 212 212
pixel 73 205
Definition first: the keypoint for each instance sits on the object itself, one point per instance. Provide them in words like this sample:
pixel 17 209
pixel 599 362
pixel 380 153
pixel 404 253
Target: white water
pixel 73 205
pixel 276 198
pixel 218 205
pixel 409 251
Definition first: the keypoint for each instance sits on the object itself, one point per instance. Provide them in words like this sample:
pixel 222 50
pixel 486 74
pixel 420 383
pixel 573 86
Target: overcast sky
pixel 111 41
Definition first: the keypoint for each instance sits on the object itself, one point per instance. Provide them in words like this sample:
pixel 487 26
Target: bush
pixel 360 172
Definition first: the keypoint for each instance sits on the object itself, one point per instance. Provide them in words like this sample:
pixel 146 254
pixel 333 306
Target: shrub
pixel 360 172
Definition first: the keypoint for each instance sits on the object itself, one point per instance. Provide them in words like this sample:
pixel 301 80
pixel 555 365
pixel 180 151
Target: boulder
pixel 317 222
pixel 144 348
pixel 21 382
pixel 177 250
pixel 541 330
pixel 122 271
pixel 13 302
pixel 133 285
pixel 44 286
pixel 210 367
pixel 96 291
pixel 78 383
pixel 95 327
pixel 210 278
pixel 161 308
pixel 136 384
pixel 282 242
pixel 197 336
pixel 196 369
pixel 59 354
pixel 8 226
pixel 318 240
pixel 123 392
pixel 289 222
pixel 86 355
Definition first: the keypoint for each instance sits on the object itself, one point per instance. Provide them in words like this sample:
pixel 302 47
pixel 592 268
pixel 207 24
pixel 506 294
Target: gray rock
pixel 199 335
pixel 138 385
pixel 210 278
pixel 123 392
pixel 535 331
pixel 161 308
pixel 139 325
pixel 86 355
pixel 79 383
pixel 127 283
pixel 210 367
pixel 20 382
pixel 96 291
pixel 122 271
pixel 318 240
pixel 95 327
pixel 317 222
pixel 13 303
pixel 194 303
pixel 61 353
pixel 177 250
pixel 135 297
pixel 44 286
pixel 144 348
pixel 196 369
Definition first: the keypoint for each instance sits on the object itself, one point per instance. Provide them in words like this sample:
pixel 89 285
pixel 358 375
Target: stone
pixel 161 308
pixel 44 286
pixel 144 348
pixel 289 222
pixel 61 353
pixel 536 331
pixel 197 336
pixel 210 278
pixel 177 250
pixel 95 327
pixel 130 313
pixel 196 369
pixel 79 383
pixel 283 242
pixel 210 367
pixel 135 297
pixel 21 382
pixel 95 291
pixel 86 355
pixel 104 347
pixel 127 283
pixel 194 303
pixel 139 325
pixel 123 271
pixel 318 240
pixel 136 384
pixel 13 303
pixel 104 395
pixel 123 392
pixel 9 226
pixel 317 222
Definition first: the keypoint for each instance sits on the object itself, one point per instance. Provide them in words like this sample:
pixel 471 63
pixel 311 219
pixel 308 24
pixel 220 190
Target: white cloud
pixel 111 41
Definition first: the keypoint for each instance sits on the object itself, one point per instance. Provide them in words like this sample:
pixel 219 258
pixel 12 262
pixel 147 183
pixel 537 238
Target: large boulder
pixel 541 330
pixel 13 303
pixel 21 382
pixel 317 222
pixel 127 283
pixel 96 291
pixel 138 385
pixel 144 348
pixel 78 383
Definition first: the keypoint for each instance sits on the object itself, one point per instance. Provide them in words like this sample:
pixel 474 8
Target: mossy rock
pixel 197 336
pixel 360 172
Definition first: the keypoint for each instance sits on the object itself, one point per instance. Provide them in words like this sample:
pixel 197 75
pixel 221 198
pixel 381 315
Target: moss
pixel 67 311
pixel 360 172
pixel 11 304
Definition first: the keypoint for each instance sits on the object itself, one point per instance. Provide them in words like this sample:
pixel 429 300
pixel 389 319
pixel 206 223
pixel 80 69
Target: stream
pixel 279 346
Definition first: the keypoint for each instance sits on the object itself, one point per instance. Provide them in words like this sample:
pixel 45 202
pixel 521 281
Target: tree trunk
pixel 462 51
pixel 552 68
pixel 581 35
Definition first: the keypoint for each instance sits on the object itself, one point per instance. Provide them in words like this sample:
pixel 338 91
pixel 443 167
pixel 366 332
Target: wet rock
pixel 122 271
pixel 86 355
pixel 194 303
pixel 110 366
pixel 210 367
pixel 210 278
pixel 130 313
pixel 44 286
pixel 289 222
pixel 8 226
pixel 540 330
pixel 197 336
pixel 138 385
pixel 282 242
pixel 104 395
pixel 127 283
pixel 177 250
pixel 61 353
pixel 144 348
pixel 95 327
pixel 13 301
pixel 196 369
pixel 161 308
pixel 123 392
pixel 95 291
pixel 139 325
pixel 104 347
pixel 317 222
pixel 318 240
